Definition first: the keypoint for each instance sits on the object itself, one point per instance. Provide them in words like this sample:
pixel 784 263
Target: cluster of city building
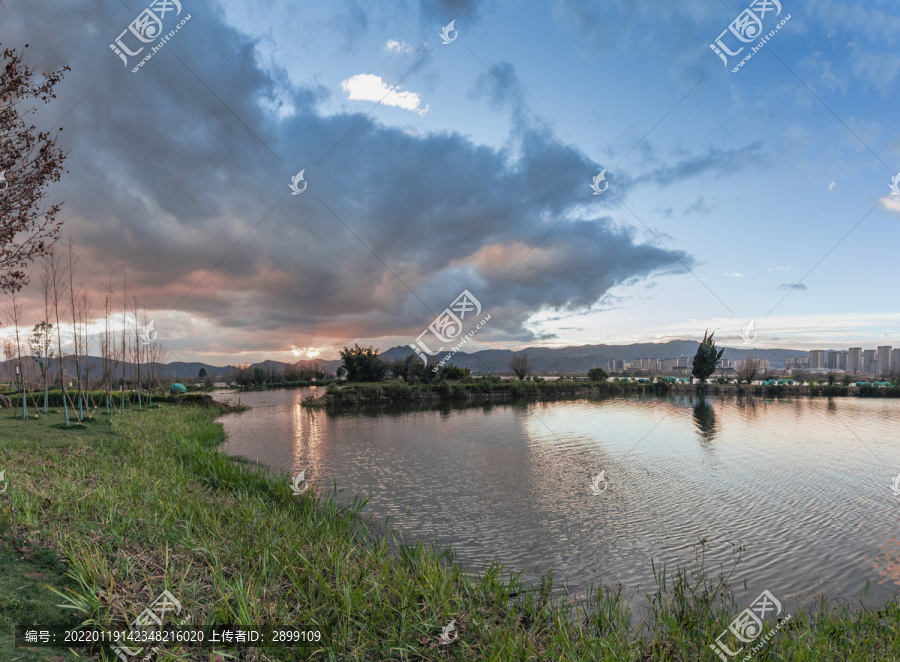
pixel 679 365
pixel 856 360
pixel 882 361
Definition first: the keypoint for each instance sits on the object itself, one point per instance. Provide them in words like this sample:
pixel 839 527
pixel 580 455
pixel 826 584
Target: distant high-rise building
pixel 647 364
pixel 836 360
pixel 817 359
pixel 668 364
pixel 788 362
pixel 854 359
pixel 883 360
pixel 895 360
pixel 738 365
pixel 869 364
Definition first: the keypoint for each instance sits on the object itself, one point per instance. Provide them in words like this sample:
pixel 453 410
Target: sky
pixel 729 194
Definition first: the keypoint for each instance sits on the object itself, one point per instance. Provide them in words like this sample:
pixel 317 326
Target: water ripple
pixel 804 485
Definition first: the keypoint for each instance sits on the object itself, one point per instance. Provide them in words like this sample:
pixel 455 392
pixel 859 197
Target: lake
pixel 805 485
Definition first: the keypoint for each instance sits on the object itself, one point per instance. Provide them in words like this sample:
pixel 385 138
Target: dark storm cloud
pixel 449 8
pixel 173 166
pixel 498 86
pixel 700 205
pixel 351 23
pixel 502 89
pixel 722 162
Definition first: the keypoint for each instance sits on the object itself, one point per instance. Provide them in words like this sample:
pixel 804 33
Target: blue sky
pixel 725 189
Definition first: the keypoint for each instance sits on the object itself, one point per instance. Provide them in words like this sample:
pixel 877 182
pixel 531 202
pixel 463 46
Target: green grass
pixel 139 502
pixel 50 431
pixel 25 574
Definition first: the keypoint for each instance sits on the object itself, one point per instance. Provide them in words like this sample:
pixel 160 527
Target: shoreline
pixel 484 391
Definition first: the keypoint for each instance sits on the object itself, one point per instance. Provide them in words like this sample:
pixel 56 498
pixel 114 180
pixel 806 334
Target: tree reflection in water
pixel 705 419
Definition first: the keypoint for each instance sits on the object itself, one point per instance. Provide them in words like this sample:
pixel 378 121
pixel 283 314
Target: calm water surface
pixel 804 485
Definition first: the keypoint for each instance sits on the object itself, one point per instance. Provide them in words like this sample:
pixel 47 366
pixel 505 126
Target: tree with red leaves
pixel 29 162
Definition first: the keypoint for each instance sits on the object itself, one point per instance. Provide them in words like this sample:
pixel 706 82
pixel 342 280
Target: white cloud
pixel 880 70
pixel 397 46
pixel 891 203
pixel 734 275
pixel 369 87
pixel 820 68
pixel 831 186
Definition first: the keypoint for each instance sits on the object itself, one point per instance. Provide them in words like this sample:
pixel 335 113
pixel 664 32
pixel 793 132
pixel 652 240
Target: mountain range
pixel 547 360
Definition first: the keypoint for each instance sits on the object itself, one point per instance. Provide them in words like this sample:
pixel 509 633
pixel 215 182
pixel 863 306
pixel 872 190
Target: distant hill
pixel 584 357
pixel 177 370
pixel 547 360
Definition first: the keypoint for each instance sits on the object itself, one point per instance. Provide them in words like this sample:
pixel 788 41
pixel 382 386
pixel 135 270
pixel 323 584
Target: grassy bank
pixel 138 502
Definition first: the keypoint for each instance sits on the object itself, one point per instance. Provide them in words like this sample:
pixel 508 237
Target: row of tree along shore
pixel 366 365
pixel 365 378
pixel 494 388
